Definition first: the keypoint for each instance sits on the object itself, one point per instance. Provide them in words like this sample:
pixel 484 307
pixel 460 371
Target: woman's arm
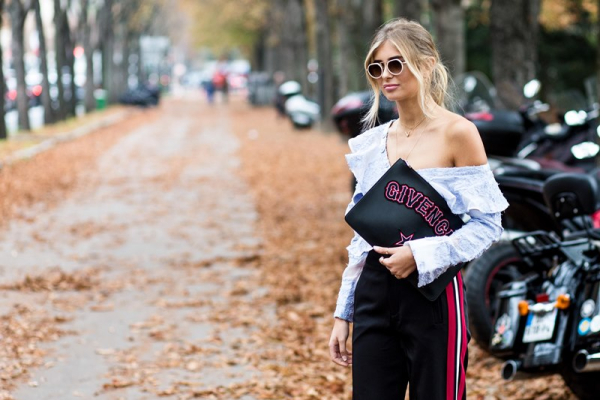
pixel 344 311
pixel 433 255
pixel 345 302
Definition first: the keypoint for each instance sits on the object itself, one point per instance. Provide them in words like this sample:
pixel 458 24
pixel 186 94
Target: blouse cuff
pixel 426 252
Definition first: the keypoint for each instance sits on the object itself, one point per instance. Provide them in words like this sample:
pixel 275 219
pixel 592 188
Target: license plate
pixel 540 326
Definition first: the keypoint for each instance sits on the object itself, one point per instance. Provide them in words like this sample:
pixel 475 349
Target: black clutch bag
pixel 403 206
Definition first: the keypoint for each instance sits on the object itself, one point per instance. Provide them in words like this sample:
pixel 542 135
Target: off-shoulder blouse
pixel 470 192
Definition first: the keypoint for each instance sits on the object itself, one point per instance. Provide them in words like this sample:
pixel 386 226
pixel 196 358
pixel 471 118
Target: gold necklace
pixel 414 145
pixel 407 131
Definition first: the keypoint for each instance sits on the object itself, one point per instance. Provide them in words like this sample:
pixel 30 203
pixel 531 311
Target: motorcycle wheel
pixel 484 278
pixel 585 385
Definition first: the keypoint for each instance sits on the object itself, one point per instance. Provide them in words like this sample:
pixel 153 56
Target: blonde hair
pixel 417 48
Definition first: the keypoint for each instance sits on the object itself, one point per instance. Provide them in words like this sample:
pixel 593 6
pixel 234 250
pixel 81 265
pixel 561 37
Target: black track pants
pixel 402 338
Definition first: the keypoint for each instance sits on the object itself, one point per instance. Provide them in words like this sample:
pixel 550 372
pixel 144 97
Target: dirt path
pixel 136 270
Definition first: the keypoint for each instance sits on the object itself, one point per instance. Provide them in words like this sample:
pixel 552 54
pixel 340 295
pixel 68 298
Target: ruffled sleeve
pixel 467 190
pixel 365 158
pixel 367 167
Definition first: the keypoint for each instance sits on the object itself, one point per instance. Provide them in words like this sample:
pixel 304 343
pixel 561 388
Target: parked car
pixel 142 95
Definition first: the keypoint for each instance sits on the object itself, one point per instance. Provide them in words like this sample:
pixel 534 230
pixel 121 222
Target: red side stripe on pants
pixel 457 340
pixel 463 350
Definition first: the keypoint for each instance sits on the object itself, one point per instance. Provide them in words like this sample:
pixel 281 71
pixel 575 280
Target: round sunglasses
pixel 395 66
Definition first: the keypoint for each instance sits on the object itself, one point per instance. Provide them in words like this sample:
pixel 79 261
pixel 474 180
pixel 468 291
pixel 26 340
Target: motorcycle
pixel 290 101
pixel 528 211
pixel 511 139
pixel 348 112
pixel 548 320
pixel 568 146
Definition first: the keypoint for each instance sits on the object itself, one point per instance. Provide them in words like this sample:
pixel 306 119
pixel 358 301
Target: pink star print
pixel 404 239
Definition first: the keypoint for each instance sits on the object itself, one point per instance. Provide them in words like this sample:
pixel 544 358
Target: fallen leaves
pixel 21 332
pixel 56 280
pixel 49 175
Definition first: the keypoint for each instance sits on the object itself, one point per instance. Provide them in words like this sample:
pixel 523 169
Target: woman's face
pixel 395 87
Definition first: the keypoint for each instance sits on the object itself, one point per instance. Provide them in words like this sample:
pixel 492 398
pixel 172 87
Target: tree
pixel 294 41
pixel 135 19
pixel 372 18
pixel 46 100
pixel 409 9
pixel 61 46
pixel 86 24
pixel 115 83
pixel 347 63
pixel 3 133
pixel 356 23
pixel 18 12
pixel 107 46
pixel 514 30
pixel 450 33
pixel 273 48
pixel 324 56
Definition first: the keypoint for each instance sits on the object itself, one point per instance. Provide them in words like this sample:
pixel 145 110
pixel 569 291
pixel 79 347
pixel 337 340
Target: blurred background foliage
pixel 565 37
pixel 319 43
pixel 567 45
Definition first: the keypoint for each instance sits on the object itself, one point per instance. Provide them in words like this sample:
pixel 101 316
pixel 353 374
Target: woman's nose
pixel 386 72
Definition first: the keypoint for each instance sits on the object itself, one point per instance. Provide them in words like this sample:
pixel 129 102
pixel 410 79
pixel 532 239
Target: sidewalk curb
pixel 76 133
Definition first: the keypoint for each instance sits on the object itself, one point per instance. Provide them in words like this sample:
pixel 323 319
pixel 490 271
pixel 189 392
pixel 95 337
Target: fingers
pixel 337 355
pixel 343 352
pixel 383 250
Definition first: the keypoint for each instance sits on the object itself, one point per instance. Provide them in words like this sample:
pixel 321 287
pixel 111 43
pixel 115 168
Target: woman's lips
pixel 390 87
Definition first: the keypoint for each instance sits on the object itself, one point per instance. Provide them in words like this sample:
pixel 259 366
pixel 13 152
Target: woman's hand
pixel 400 262
pixel 337 343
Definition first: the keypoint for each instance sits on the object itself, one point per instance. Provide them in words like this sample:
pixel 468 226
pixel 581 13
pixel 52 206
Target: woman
pixel 399 337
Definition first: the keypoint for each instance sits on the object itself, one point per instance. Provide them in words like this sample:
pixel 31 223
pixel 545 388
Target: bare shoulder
pixel 464 141
pixel 460 129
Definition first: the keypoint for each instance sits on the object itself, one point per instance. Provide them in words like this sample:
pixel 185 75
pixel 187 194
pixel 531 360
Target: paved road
pixel 160 233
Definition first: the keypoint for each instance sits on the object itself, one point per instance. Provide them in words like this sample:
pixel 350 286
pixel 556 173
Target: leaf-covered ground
pixel 187 252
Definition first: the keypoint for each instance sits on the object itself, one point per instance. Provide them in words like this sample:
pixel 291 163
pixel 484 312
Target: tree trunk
pixel 46 100
pixel 141 72
pixel 18 12
pixel 118 45
pixel 273 41
pixel 372 18
pixel 294 42
pixel 324 56
pixel 409 9
pixel 357 22
pixel 450 33
pixel 107 46
pixel 3 132
pixel 124 70
pixel 89 101
pixel 70 59
pixel 348 60
pixel 513 28
pixel 61 61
